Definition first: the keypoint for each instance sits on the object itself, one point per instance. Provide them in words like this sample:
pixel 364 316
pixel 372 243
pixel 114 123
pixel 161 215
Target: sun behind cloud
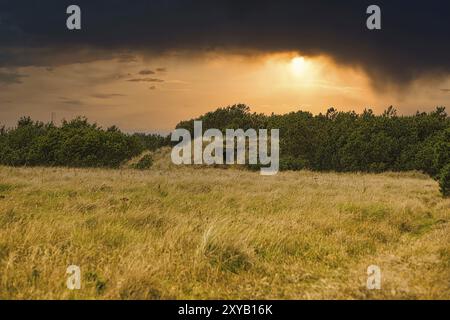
pixel 298 66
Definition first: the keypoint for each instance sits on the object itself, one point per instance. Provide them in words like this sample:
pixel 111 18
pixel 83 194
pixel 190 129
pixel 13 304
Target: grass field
pixel 214 233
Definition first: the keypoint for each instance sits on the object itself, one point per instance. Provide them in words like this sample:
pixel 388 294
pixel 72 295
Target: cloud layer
pixel 7 78
pixel 414 40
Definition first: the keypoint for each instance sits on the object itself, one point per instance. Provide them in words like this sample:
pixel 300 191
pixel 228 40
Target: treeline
pixel 347 141
pixel 76 143
pixel 334 141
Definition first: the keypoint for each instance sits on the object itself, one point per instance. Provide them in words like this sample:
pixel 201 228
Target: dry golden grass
pixel 228 234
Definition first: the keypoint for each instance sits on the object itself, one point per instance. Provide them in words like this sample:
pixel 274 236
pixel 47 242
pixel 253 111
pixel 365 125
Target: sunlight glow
pixel 298 65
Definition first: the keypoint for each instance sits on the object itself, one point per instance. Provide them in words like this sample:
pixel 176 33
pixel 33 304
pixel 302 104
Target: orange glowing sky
pixel 152 94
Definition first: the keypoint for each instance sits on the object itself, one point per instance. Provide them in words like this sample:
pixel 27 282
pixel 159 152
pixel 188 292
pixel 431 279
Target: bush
pixel 444 181
pixel 346 141
pixel 144 163
pixel 291 163
pixel 76 143
pixel 336 141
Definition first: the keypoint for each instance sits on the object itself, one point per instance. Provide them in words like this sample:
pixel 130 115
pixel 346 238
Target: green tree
pixel 444 180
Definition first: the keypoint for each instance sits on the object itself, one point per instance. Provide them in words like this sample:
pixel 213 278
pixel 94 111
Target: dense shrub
pixel 338 141
pixel 152 142
pixel 76 143
pixel 347 141
pixel 144 163
pixel 290 163
pixel 444 181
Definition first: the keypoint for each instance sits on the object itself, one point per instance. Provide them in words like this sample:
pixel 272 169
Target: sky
pixel 146 65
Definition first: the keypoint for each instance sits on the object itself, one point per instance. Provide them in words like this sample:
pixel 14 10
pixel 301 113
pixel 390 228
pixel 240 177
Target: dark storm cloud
pixel 7 78
pixel 126 58
pixel 414 40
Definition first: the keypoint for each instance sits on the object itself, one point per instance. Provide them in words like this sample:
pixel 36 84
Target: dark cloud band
pixel 413 40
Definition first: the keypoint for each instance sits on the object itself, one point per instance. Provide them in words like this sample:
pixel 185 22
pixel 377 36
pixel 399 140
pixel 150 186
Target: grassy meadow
pixel 206 233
